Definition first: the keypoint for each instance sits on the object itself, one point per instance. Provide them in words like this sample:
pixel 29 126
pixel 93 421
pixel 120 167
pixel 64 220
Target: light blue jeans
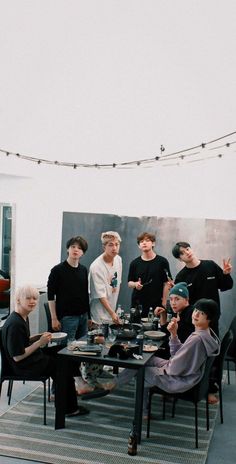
pixel 75 326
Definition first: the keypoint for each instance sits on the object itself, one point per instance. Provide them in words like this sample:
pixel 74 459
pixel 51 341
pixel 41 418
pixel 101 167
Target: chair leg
pixel 44 403
pixel 49 389
pixel 9 391
pixel 164 408
pixel 221 404
pixel 228 373
pixel 173 406
pixel 196 425
pixel 207 414
pixel 149 414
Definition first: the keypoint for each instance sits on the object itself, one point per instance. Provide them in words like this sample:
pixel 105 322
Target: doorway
pixel 5 259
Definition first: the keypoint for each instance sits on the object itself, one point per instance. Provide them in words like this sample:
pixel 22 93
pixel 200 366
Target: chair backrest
pixel 5 366
pixel 232 347
pixel 225 343
pixel 48 316
pixel 200 391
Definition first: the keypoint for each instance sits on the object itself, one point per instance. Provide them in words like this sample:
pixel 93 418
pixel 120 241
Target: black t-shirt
pixel 185 328
pixel 204 281
pixel 153 275
pixel 15 338
pixel 70 287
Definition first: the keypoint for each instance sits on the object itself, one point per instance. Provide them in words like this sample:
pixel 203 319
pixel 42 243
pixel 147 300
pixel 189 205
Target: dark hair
pixel 83 244
pixel 147 235
pixel 176 248
pixel 209 307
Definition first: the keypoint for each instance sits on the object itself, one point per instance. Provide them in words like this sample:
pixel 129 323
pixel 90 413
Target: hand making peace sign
pixel 227 266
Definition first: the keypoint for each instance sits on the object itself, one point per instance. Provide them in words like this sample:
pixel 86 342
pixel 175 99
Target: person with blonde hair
pixel 29 355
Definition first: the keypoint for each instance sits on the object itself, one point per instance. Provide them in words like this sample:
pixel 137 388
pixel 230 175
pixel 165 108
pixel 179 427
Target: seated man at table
pixel 179 302
pixel 185 367
pixel 25 353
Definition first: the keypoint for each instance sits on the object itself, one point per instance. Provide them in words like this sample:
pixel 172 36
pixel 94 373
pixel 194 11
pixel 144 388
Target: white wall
pixel 110 81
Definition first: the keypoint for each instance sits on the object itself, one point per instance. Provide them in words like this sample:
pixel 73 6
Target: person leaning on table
pixel 25 353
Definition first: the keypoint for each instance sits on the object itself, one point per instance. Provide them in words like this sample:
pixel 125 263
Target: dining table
pixel 103 358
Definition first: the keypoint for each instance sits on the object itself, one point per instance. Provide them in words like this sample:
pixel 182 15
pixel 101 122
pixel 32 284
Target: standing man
pixel 105 279
pixel 68 297
pixel 148 274
pixel 204 277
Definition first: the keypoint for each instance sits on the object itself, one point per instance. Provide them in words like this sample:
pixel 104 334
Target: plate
pixel 144 319
pixel 58 335
pixel 150 348
pixel 154 334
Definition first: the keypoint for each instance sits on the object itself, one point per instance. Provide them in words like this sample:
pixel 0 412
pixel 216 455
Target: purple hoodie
pixel 186 366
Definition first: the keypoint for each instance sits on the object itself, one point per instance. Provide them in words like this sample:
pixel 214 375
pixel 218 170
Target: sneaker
pixel 109 386
pixel 80 411
pixel 212 399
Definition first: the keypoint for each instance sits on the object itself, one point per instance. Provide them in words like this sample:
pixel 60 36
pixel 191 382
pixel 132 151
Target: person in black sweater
pixel 182 311
pixel 147 275
pixel 204 277
pixel 25 353
pixel 67 290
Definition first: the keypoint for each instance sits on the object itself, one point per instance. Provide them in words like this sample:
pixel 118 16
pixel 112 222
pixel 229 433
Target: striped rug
pixel 102 436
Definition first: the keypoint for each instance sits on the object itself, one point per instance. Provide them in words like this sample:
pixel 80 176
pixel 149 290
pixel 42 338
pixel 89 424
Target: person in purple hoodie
pixel 185 367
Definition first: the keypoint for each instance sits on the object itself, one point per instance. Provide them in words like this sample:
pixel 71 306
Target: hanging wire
pixel 183 154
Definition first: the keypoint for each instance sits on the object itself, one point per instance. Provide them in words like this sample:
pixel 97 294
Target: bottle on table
pixel 132 313
pixel 139 341
pixel 150 314
pixel 132 441
pixel 156 323
pixel 137 316
pixel 119 311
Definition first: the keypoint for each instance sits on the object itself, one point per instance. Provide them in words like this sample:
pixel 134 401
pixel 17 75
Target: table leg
pixel 60 395
pixel 138 414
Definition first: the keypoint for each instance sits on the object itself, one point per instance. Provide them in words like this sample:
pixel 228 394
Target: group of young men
pixel 70 287
pixel 78 298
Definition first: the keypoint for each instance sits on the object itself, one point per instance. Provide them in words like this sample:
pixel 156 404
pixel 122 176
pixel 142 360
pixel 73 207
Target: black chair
pixel 48 316
pixel 231 353
pixel 8 374
pixel 219 367
pixel 194 395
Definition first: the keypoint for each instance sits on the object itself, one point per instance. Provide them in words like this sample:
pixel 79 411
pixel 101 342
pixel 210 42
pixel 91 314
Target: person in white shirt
pixel 105 278
pixel 104 285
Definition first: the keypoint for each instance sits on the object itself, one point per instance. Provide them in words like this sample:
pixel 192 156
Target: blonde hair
pixel 26 291
pixel 108 236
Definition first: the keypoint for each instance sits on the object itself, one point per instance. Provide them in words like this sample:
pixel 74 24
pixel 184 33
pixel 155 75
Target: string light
pixel 180 155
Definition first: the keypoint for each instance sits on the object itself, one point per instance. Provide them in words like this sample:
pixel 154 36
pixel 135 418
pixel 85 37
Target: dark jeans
pixel 71 370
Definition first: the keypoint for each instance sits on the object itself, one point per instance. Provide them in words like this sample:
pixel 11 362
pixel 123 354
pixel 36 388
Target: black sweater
pixel 69 286
pixel 204 281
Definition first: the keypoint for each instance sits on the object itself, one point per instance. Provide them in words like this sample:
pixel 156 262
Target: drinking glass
pixel 111 335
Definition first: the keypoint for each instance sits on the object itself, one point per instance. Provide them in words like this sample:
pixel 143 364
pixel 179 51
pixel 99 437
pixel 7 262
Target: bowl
pixel 147 325
pixel 154 334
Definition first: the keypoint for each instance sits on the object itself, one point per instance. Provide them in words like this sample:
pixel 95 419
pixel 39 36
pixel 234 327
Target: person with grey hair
pixel 30 355
pixel 104 286
pixel 105 279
